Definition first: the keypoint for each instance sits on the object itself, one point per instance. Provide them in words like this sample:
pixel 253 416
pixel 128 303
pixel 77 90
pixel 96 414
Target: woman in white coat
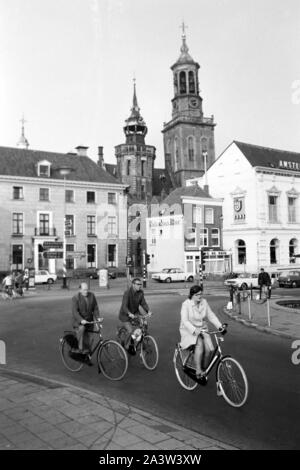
pixel 194 313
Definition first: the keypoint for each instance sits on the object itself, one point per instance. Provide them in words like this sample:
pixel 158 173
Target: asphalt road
pixel 270 420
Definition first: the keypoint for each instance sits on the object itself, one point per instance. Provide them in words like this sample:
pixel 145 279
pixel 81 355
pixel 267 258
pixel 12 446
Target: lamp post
pixel 64 171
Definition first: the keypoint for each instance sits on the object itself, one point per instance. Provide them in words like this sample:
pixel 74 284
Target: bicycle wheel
pixel 66 355
pixel 121 335
pixel 184 380
pixel 149 352
pixel 232 382
pixel 112 360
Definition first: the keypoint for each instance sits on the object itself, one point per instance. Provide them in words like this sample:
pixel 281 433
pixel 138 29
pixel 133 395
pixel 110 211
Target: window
pixel 190 237
pixel 44 171
pixel 209 216
pixel 292 209
pixel 274 250
pixel 182 82
pixel 143 167
pixel 91 225
pixel 215 237
pixel 293 245
pixel 17 223
pixel 197 214
pixel 112 250
pixel 241 251
pixel 69 195
pixel 153 237
pixel 69 260
pixel 273 217
pixel 44 224
pixel 176 151
pixel 128 167
pixel 91 256
pixel 112 198
pixel 191 82
pixel 191 149
pixel 203 237
pixel 143 191
pixel 17 256
pixel 69 225
pixel 18 192
pixel 90 197
pixel 44 194
pixel 112 225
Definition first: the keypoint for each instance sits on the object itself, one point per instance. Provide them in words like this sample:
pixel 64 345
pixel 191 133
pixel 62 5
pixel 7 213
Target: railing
pixel 44 232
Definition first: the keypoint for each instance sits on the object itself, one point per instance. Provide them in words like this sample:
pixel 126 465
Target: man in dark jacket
pixel 133 298
pixel 84 309
pixel 264 280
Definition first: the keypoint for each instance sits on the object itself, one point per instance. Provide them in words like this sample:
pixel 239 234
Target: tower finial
pixel 184 49
pixel 183 26
pixel 23 142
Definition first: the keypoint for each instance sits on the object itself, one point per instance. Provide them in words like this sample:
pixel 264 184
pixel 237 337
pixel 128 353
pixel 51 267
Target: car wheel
pixel 50 281
pixel 244 286
pixel 168 280
pixel 190 279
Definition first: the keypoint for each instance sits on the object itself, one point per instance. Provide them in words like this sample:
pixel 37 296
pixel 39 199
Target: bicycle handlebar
pixel 214 332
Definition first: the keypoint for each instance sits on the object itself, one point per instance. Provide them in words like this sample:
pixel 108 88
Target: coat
pixel 84 310
pixel 131 302
pixel 193 317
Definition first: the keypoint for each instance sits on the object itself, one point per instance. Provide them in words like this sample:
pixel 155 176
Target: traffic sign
pixel 75 254
pixel 56 245
pixel 53 254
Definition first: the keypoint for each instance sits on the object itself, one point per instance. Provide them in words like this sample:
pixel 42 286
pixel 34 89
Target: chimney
pixel 206 188
pixel 100 158
pixel 81 151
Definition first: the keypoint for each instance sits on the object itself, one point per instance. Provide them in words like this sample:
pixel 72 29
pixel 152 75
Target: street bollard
pixel 238 298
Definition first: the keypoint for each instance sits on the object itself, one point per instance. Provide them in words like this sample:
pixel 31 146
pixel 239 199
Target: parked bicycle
pixel 142 341
pixel 231 379
pixel 111 356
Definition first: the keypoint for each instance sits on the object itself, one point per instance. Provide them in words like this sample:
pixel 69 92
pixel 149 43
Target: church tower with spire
pixel 189 146
pixel 135 159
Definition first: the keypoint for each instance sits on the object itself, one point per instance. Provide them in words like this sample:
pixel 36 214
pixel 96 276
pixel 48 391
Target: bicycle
pixel 140 339
pixel 111 356
pixel 231 379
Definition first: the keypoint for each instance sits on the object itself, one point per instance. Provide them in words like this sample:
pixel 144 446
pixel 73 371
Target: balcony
pixel 17 235
pixel 44 232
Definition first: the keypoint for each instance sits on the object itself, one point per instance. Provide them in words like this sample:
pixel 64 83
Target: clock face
pixel 193 102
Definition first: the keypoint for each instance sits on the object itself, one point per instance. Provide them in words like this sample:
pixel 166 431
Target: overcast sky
pixel 68 66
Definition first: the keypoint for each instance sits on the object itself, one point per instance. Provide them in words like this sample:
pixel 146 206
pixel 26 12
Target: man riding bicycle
pixel 84 309
pixel 133 298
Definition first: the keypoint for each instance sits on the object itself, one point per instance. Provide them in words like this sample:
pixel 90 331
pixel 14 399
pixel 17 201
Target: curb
pixel 264 329
pixel 54 384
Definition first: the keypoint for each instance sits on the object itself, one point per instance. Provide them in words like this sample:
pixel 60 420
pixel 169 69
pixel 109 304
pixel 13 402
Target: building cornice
pixel 60 182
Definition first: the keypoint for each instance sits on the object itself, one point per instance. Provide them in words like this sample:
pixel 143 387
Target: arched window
pixel 192 88
pixel 175 84
pixel 241 251
pixel 293 245
pixel 274 251
pixel 182 82
pixel 191 149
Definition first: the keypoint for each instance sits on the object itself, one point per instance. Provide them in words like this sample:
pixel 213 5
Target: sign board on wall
pixel 239 214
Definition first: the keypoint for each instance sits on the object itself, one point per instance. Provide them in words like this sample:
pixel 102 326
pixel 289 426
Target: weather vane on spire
pixel 23 142
pixel 183 27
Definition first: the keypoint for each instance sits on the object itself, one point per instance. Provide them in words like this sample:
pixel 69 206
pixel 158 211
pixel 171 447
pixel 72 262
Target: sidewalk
pixel 37 413
pixel 281 321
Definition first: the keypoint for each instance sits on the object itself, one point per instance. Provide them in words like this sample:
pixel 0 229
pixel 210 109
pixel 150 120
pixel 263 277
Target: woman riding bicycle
pixel 194 311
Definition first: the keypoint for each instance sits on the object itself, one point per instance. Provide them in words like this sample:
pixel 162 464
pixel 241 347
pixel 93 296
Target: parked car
pixel 44 277
pixel 172 275
pixel 289 278
pixel 81 273
pixel 243 281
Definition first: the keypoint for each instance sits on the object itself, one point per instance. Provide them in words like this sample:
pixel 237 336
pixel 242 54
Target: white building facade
pixel 261 208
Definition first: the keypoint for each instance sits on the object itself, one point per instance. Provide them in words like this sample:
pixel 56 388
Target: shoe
pixel 200 375
pixel 88 361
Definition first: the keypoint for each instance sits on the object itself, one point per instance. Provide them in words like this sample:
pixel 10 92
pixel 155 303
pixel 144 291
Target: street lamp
pixel 64 171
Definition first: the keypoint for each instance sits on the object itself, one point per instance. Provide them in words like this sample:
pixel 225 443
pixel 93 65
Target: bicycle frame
pixel 216 357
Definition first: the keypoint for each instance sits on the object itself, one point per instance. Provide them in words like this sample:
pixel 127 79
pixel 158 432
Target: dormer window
pixel 44 169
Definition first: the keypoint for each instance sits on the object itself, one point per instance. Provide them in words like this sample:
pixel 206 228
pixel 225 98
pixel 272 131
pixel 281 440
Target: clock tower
pixel 189 146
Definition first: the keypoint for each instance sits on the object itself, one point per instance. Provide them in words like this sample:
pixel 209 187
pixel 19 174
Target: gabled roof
pixel 23 162
pixel 265 156
pixel 192 191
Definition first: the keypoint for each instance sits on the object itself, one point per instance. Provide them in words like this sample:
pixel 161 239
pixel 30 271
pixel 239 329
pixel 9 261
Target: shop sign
pixel 239 209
